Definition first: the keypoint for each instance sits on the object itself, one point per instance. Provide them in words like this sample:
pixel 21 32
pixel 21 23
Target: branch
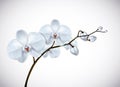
pixel 52 47
pixel 33 60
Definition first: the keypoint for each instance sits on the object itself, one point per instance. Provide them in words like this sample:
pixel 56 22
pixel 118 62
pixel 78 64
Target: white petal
pixel 34 53
pixel 64 33
pixel 23 57
pixel 67 47
pixel 36 41
pixel 21 36
pixel 74 50
pixel 46 54
pixel 58 41
pixel 45 48
pixel 92 38
pixel 85 38
pixel 47 32
pixel 54 52
pixel 14 49
pixel 55 25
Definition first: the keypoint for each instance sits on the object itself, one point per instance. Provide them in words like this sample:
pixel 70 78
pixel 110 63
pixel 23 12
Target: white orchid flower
pixel 25 44
pixel 55 32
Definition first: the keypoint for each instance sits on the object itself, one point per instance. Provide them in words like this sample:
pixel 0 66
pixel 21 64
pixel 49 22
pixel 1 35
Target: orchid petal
pixel 64 33
pixel 55 25
pixel 23 57
pixel 58 41
pixel 15 51
pixel 21 36
pixel 46 54
pixel 47 32
pixel 54 52
pixel 45 48
pixel 34 53
pixel 67 47
pixel 36 41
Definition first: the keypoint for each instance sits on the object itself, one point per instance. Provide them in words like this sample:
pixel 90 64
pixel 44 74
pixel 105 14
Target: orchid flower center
pixel 27 49
pixel 54 35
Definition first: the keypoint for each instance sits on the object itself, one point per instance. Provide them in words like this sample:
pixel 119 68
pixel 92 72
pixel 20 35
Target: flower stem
pixel 29 73
pixel 52 47
pixel 34 63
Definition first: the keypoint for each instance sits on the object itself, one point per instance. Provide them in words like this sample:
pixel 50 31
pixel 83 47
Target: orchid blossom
pixel 24 44
pixel 58 33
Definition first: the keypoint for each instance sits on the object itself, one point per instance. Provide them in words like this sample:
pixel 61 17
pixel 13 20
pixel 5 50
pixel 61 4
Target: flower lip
pixel 55 35
pixel 27 49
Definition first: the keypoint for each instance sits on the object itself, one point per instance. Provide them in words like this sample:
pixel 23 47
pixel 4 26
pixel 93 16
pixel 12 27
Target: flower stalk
pixel 57 46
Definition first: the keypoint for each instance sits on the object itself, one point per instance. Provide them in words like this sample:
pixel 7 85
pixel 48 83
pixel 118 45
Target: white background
pixel 98 63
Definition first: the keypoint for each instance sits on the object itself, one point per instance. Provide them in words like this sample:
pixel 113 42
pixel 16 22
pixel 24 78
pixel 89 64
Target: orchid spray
pixel 46 42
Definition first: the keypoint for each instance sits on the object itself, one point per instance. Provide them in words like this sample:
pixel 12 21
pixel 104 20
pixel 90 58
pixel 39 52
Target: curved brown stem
pixel 34 63
pixel 52 47
pixel 29 74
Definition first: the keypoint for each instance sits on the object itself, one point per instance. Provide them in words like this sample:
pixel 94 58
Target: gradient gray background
pixel 98 63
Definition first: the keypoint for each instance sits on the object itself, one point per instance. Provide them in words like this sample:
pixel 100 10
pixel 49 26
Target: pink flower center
pixel 54 35
pixel 27 49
